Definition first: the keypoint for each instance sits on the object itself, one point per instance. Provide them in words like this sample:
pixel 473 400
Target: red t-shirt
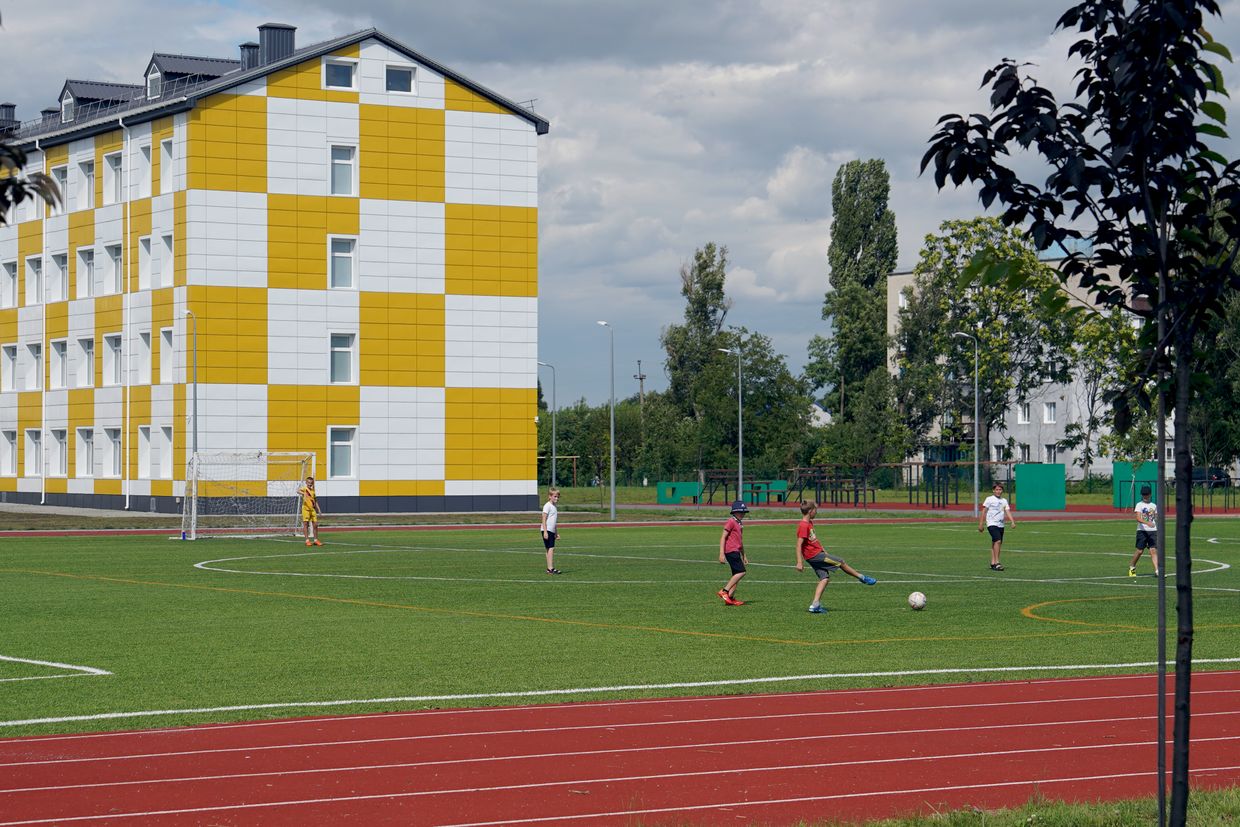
pixel 811 547
pixel 733 528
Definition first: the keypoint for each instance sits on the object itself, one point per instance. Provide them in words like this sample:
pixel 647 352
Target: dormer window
pixel 154 81
pixel 66 108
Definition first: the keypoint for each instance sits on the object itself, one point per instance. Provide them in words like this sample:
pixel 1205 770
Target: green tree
pixel 1134 173
pixel 16 185
pixel 1106 342
pixel 692 344
pixel 873 435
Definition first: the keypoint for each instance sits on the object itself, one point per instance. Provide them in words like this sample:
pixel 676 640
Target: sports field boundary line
pixel 593 690
pixel 71 670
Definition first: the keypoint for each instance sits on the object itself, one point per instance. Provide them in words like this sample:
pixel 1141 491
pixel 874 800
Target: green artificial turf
pixel 435 614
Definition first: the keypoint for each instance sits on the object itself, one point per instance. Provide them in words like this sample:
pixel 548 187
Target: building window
pixel 84 466
pixel 166 175
pixel 34 280
pixel 165 356
pixel 1024 453
pixel 66 108
pixel 113 460
pixel 8 368
pixel 113 367
pixel 144 263
pixel 113 181
pixel 400 79
pixel 86 274
pixel 340 265
pixel 34 452
pixel 165 263
pixel 1022 413
pixel 8 453
pixel 8 290
pixel 1051 452
pixel 339 74
pixel 342 357
pixel 58 284
pixel 34 367
pixel 60 453
pixel 1048 413
pixel 86 185
pixel 343 170
pixel 115 270
pixel 60 364
pixel 144 171
pixel 144 357
pixel 61 176
pixel 165 453
pixel 86 363
pixel 154 82
pixel 340 456
pixel 144 452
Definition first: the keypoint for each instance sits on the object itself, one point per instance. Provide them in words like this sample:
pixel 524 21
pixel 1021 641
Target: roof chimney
pixel 249 55
pixel 8 117
pixel 275 42
pixel 51 113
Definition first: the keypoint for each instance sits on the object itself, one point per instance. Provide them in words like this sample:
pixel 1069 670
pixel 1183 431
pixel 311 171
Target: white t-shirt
pixel 553 515
pixel 1150 512
pixel 995 506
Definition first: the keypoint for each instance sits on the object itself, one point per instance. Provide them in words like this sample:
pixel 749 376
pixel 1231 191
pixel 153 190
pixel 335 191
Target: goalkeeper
pixel 310 512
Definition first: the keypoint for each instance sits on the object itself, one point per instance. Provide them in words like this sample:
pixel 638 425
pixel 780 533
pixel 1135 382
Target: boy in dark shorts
pixel 1147 531
pixel 809 549
pixel 732 552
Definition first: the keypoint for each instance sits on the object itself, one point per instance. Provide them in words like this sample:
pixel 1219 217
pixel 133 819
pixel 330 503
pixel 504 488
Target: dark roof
pixel 93 90
pixel 189 65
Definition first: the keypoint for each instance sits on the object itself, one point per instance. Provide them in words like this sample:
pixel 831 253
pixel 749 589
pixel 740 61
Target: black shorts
pixel 736 561
pixel 996 533
pixel 549 540
pixel 1146 539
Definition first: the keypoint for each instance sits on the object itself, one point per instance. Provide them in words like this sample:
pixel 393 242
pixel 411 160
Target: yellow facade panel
pixel 57 322
pixel 401 339
pixel 232 333
pixel 227 144
pixel 180 262
pixel 112 487
pixel 457 97
pixel 29 243
pixel 487 433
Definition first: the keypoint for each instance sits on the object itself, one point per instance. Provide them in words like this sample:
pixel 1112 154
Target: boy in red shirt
pixel 732 552
pixel 808 548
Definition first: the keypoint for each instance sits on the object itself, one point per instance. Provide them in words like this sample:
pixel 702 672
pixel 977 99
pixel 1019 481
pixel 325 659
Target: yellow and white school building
pixel 351 231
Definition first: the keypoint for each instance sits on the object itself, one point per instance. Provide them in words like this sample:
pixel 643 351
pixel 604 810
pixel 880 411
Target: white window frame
pixel 1022 413
pixel 113 178
pixel 8 289
pixel 116 269
pixel 84 460
pixel 154 84
pixel 144 263
pixel 145 170
pixel 144 452
pixel 1049 413
pixel 116 452
pixel 86 185
pixel 351 350
pixel 331 258
pixel 332 442
pixel 85 372
pixel 60 175
pixel 8 453
pixel 58 376
pixel 1024 453
pixel 58 462
pixel 165 452
pixel 167 175
pixel 34 366
pixel 167 365
pixel 413 78
pixel 1050 453
pixel 8 367
pixel 167 261
pixel 86 272
pixel 113 360
pixel 58 284
pixel 352 63
pixel 34 280
pixel 143 357
pixel 34 452
pixel 351 163
pixel 67 105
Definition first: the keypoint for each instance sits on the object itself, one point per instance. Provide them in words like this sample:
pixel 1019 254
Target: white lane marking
pixel 70 670
pixel 590 690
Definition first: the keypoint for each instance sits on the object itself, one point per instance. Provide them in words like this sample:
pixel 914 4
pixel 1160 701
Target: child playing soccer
pixel 550 520
pixel 310 512
pixel 809 549
pixel 995 512
pixel 732 552
pixel 1147 531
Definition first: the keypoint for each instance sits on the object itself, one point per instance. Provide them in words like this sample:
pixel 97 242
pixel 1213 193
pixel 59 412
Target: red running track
pixel 771 759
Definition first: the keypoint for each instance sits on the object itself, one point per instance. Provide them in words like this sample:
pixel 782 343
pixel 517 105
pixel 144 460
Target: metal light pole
pixel 740 425
pixel 553 410
pixel 191 315
pixel 977 426
pixel 611 335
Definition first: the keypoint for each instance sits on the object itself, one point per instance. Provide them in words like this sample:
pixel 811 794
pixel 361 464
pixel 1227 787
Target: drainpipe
pixel 43 349
pixel 125 325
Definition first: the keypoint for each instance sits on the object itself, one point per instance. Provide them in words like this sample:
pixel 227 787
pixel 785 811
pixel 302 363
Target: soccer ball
pixel 917 601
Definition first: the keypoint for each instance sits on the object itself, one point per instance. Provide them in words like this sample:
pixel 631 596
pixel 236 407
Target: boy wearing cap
pixel 732 552
pixel 1147 531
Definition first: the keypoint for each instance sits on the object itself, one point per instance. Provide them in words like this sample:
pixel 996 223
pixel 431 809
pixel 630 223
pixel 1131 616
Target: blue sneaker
pixel 867 580
pixel 817 610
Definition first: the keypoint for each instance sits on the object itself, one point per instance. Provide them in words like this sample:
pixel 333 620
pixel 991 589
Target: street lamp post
pixel 611 335
pixel 553 410
pixel 740 425
pixel 194 319
pixel 977 426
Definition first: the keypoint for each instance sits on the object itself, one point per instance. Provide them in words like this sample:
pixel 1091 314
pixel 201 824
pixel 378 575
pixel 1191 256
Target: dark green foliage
pixel 16 186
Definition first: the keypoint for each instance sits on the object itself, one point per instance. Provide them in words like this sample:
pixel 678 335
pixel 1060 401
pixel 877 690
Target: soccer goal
pixel 241 493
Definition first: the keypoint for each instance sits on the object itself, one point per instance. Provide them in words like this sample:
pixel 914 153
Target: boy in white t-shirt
pixel 550 521
pixel 995 514
pixel 1147 531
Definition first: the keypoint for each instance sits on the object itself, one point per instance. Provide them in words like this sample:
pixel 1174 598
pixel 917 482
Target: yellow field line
pixel 559 621
pixel 1031 613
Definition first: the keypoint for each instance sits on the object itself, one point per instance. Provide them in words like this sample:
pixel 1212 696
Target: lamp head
pixel 603 323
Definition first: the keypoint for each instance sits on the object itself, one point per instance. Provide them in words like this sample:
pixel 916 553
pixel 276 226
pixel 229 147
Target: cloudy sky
pixel 673 123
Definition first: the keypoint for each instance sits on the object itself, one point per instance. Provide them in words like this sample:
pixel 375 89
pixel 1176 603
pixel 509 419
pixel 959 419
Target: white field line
pixel 618 779
pixel 590 690
pixel 729 700
pixel 71 670
pixel 726 720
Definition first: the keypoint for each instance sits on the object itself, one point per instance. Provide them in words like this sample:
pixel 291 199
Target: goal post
pixel 238 493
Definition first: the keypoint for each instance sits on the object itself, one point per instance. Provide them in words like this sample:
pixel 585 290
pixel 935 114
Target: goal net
pixel 244 493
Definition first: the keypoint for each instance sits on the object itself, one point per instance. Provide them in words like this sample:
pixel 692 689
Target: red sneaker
pixel 317 542
pixel 724 594
pixel 732 601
